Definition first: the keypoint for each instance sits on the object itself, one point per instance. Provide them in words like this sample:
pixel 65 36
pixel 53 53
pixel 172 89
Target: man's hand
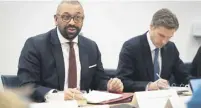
pixel 115 85
pixel 73 94
pixel 159 84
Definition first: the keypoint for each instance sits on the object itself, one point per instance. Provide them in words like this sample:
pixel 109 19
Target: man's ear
pixel 56 20
pixel 151 27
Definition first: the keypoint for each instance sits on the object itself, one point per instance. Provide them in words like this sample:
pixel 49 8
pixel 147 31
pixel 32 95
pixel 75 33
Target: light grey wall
pixel 107 23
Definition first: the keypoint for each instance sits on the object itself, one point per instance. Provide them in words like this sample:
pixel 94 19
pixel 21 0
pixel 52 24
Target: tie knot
pixel 156 50
pixel 71 44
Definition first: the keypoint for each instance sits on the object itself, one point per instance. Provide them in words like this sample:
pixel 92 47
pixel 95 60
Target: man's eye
pixel 162 36
pixel 66 17
pixel 77 17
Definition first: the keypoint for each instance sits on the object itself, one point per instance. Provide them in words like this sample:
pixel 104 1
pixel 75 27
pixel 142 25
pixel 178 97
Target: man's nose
pixel 71 22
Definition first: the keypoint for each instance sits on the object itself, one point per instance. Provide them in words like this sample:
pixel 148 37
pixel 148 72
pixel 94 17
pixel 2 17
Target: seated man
pixel 147 61
pixel 61 59
pixel 196 64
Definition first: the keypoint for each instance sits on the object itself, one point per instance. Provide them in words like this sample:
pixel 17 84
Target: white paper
pixel 180 89
pixel 63 104
pixel 97 106
pixel 99 96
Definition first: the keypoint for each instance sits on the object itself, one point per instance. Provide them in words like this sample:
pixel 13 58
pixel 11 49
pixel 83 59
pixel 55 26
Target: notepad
pixel 100 96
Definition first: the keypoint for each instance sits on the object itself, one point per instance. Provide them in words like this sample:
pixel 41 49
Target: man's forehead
pixel 166 32
pixel 70 8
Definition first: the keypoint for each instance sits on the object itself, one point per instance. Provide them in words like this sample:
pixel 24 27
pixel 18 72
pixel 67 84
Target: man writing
pixel 147 61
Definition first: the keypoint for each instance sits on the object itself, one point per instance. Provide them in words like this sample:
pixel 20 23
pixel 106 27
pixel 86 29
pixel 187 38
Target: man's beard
pixel 67 35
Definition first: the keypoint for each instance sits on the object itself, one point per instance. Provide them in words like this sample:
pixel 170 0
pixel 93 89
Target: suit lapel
pixel 83 60
pixel 58 56
pixel 147 57
pixel 163 59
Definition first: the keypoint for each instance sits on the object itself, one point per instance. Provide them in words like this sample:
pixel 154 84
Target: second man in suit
pixel 147 61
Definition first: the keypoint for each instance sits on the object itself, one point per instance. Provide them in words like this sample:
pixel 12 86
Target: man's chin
pixel 70 37
pixel 158 46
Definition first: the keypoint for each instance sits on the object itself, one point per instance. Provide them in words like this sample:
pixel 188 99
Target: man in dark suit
pixel 196 64
pixel 147 61
pixel 61 59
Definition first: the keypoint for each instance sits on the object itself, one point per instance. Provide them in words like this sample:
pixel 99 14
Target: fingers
pixel 109 86
pixel 71 94
pixel 115 85
pixel 78 97
pixel 68 95
pixel 75 90
pixel 120 89
pixel 162 84
pixel 153 86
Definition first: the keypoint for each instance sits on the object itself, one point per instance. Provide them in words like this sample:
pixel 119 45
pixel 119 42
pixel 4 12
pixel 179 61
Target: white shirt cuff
pixel 147 87
pixel 48 94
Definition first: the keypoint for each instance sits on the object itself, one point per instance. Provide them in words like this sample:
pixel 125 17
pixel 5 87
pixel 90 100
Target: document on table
pixel 97 106
pixel 180 89
pixel 63 104
pixel 91 97
pixel 100 96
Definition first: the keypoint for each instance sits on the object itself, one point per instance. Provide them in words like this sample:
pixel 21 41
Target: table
pixel 184 99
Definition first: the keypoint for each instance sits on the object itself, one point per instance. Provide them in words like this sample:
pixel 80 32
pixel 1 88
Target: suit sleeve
pixel 29 70
pixel 100 79
pixel 126 69
pixel 180 72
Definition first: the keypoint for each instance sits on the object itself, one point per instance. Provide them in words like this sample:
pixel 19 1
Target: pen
pixel 161 78
pixel 158 75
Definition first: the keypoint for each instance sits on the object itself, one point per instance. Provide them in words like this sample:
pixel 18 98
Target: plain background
pixel 109 23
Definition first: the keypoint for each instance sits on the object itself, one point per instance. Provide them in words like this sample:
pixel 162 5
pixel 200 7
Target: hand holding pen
pixel 162 83
pixel 158 84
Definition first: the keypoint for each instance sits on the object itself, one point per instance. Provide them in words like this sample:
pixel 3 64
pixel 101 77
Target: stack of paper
pixel 63 104
pixel 97 106
pixel 100 96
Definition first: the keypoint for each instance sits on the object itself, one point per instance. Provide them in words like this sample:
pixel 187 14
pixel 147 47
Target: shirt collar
pixel 151 45
pixel 64 40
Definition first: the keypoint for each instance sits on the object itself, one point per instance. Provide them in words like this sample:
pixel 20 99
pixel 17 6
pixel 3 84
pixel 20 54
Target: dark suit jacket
pixel 41 63
pixel 196 64
pixel 135 67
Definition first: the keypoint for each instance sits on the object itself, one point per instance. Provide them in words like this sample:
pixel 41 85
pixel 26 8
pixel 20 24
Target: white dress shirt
pixel 65 50
pixel 152 48
pixel 50 96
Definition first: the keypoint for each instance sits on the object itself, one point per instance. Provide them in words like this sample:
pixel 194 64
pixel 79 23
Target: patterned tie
pixel 72 70
pixel 156 64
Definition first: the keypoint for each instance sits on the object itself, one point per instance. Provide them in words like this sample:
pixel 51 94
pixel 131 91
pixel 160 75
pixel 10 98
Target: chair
pixel 10 81
pixel 110 72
